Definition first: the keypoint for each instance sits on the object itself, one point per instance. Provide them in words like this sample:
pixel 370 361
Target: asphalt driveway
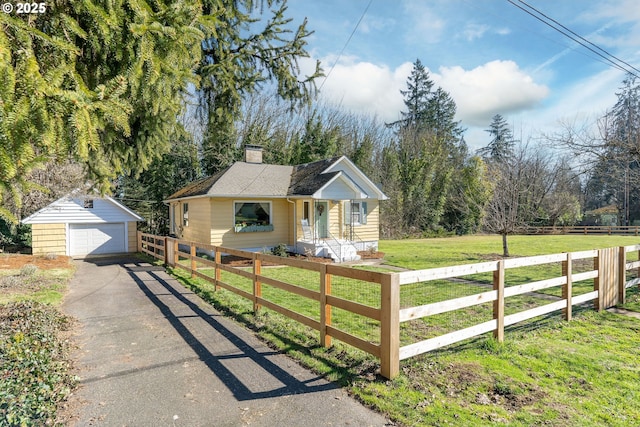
pixel 151 353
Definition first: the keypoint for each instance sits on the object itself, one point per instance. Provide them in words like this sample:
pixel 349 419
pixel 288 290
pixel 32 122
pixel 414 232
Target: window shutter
pixel 363 215
pixel 347 212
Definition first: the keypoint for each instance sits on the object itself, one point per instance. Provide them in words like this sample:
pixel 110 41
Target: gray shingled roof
pixel 308 178
pixel 262 180
pixel 252 179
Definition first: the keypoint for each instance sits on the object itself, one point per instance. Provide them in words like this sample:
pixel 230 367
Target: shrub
pixel 10 282
pixel 28 270
pixel 34 372
pixel 280 250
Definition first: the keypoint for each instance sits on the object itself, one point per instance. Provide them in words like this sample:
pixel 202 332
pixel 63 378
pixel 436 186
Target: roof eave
pixel 374 187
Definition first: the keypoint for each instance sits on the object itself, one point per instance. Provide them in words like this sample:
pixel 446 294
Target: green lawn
pixel 417 254
pixel 547 372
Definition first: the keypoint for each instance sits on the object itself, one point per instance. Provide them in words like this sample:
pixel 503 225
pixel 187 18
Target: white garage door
pixel 95 239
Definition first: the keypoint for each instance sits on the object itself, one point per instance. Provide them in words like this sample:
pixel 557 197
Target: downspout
pixel 295 226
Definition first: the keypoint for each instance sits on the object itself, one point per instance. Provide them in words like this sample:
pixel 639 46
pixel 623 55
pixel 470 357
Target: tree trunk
pixel 505 246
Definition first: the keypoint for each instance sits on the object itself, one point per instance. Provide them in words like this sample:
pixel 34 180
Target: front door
pixel 321 220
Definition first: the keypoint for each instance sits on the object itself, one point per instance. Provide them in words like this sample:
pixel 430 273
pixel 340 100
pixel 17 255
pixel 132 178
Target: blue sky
pixel 489 55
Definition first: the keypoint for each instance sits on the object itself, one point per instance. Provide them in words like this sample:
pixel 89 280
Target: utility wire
pixel 346 44
pixel 578 39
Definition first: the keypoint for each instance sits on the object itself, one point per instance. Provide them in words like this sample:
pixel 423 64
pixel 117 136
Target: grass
pixel 43 286
pixel 547 371
pixel 416 254
pixel 35 369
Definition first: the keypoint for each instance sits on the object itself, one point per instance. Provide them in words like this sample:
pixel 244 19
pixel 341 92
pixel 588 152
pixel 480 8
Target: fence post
pixel 217 268
pixel 622 275
pixel 390 325
pixel 257 286
pixel 193 260
pixel 325 309
pixel 176 248
pixel 166 251
pixel 638 270
pixel 498 304
pixel 597 282
pixel 567 271
pixel 139 238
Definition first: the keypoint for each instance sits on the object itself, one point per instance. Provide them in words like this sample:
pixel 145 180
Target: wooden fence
pixel 609 288
pixel 631 230
pixel 608 277
pixel 385 314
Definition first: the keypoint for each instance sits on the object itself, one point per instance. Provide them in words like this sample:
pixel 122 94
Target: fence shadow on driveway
pixel 257 372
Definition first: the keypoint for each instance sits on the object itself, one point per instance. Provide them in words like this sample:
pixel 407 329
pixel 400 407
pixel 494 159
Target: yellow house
pixel 327 208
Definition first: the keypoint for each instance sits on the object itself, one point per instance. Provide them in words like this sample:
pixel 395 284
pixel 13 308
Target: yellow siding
pixel 371 230
pixel 198 228
pixel 48 239
pixel 223 218
pixel 335 219
pixel 292 228
pixel 132 243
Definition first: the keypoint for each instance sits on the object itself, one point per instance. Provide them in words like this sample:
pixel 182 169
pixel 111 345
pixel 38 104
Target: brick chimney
pixel 253 154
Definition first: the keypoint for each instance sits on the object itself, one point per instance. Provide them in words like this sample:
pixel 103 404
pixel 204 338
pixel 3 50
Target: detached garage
pixel 81 226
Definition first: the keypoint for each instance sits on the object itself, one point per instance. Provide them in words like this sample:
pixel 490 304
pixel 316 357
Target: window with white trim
pixel 172 218
pixel 185 214
pixel 355 212
pixel 252 216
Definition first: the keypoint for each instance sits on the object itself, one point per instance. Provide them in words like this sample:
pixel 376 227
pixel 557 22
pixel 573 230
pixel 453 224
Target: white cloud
pixel 495 87
pixel 474 31
pixel 371 24
pixel 367 88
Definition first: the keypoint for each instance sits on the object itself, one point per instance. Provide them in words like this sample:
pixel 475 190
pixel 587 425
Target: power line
pixel 620 64
pixel 581 38
pixel 346 43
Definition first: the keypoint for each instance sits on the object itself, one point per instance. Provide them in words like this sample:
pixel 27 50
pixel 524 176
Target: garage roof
pixel 80 209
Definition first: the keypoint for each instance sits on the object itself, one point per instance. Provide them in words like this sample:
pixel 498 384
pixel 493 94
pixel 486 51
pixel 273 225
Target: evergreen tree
pixel 623 149
pixel 417 100
pixel 429 146
pixel 237 59
pixel 99 82
pixel 502 142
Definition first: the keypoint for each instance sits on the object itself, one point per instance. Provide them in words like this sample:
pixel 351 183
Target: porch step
pixel 342 252
pixel 337 251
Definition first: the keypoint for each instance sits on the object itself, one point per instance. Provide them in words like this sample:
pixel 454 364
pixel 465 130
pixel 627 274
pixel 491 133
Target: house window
pixel 185 214
pixel 252 216
pixel 88 203
pixel 305 210
pixel 355 213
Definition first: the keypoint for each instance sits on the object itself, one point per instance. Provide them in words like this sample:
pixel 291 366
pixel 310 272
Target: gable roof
pixel 308 178
pixel 263 180
pixel 70 208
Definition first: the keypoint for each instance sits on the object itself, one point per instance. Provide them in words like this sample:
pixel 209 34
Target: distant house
pixel 327 208
pixel 604 216
pixel 81 225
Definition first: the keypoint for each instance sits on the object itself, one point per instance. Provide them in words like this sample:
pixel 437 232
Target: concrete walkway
pixel 151 353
